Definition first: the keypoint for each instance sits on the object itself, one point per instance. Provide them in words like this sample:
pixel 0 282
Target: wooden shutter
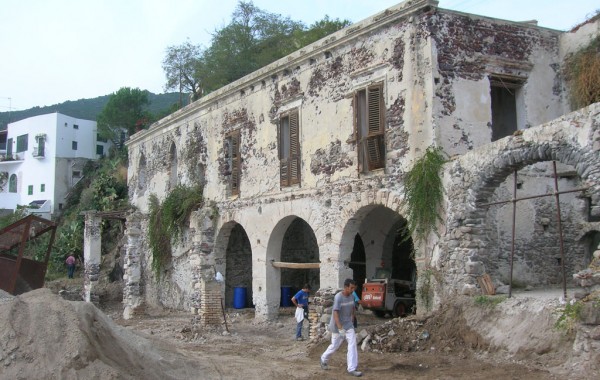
pixel 235 162
pixel 374 143
pixel 289 167
pixel 294 160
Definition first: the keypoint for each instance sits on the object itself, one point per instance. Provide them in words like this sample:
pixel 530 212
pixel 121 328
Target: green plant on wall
pixel 582 72
pixel 167 221
pixel 425 291
pixel 568 317
pixel 424 193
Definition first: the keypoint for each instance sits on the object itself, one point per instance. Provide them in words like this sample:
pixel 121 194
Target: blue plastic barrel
pixel 286 296
pixel 239 297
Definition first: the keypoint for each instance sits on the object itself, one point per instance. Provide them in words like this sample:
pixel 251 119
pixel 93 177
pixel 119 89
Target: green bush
pixel 167 221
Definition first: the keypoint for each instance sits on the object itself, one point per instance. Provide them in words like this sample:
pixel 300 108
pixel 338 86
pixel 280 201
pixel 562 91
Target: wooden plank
pixel 281 264
pixel 486 284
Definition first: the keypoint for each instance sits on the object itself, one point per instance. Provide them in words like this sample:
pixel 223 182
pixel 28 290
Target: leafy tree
pixel 252 39
pixel 180 66
pixel 125 111
pixel 318 30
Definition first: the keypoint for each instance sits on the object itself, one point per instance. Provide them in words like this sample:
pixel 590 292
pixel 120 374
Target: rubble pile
pixel 444 331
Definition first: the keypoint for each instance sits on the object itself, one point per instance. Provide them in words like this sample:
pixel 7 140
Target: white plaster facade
pixel 45 156
pixel 436 70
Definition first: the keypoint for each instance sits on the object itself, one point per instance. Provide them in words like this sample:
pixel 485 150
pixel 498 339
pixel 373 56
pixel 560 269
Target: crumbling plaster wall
pixel 436 93
pixel 468 49
pixel 319 81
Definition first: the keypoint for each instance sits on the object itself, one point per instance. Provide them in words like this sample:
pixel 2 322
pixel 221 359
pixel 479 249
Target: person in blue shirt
pixel 301 301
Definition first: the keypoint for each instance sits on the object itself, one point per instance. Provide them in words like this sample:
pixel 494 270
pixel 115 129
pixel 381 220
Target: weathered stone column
pixel 206 300
pixel 91 255
pixel 133 266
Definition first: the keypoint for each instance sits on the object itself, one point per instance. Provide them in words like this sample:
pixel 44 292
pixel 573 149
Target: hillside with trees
pixel 89 109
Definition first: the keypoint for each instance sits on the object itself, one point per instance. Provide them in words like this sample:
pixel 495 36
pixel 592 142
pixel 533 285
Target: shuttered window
pixel 369 127
pixel 289 149
pixel 232 150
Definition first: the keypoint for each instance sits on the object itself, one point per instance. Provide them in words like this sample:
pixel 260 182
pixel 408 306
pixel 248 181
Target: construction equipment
pixel 385 295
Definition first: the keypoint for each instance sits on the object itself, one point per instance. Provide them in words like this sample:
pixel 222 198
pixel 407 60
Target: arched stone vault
pixel 471 180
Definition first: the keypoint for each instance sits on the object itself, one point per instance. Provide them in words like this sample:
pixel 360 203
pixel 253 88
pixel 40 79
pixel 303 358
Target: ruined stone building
pixel 303 161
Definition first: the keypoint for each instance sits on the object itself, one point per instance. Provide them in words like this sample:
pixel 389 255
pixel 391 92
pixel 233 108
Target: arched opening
pixel 381 249
pixel 173 180
pixel 142 184
pixel 358 263
pixel 299 245
pixel 238 268
pixel 537 260
pixel 12 184
pixel 591 243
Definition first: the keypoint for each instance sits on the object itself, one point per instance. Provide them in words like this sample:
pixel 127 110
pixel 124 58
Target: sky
pixel 52 51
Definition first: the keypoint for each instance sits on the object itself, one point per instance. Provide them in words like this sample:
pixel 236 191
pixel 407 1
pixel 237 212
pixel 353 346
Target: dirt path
pixel 45 336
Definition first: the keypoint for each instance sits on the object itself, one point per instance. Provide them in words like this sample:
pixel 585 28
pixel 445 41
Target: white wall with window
pixel 42 155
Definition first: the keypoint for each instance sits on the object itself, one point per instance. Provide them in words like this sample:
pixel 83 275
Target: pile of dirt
pixel 45 336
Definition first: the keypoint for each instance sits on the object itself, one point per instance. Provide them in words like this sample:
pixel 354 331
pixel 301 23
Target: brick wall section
pixel 211 312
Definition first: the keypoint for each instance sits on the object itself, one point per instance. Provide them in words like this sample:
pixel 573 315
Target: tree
pixel 125 111
pixel 253 39
pixel 180 65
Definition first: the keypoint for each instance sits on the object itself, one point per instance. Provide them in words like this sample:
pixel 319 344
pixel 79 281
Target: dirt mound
pixel 44 336
pixel 447 330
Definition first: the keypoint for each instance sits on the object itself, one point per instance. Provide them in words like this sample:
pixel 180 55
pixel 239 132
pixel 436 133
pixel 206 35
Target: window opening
pixel 12 184
pixel 232 149
pixel 503 93
pixel 30 190
pixel 369 128
pixel 22 143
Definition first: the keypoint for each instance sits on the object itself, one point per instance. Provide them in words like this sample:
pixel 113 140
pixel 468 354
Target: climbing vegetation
pixel 568 316
pixel 167 221
pixel 424 193
pixel 582 72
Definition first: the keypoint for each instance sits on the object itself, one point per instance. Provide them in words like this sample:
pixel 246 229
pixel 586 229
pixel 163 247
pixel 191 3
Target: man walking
pixel 341 327
pixel 301 301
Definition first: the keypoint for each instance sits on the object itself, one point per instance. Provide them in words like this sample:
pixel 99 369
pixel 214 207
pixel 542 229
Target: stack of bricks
pixel 211 312
pixel 320 314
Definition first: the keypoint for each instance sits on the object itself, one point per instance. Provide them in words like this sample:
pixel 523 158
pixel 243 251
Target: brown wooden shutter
pixel 374 143
pixel 294 160
pixel 235 163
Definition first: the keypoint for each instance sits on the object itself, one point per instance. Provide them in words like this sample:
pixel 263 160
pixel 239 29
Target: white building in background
pixel 44 159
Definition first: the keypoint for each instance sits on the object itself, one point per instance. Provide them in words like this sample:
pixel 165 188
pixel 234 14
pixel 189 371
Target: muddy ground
pixel 45 336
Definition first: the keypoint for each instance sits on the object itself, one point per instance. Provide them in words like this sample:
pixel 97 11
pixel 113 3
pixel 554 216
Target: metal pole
pixel 560 232
pixel 514 222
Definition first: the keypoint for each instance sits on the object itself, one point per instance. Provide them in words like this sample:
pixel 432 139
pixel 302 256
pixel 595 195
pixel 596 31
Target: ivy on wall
pixel 424 193
pixel 582 72
pixel 167 221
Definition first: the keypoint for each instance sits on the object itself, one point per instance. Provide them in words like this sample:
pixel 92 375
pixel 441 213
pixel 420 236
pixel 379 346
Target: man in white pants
pixel 342 327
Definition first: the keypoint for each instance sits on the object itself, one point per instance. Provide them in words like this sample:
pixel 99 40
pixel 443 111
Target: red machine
pixel 384 295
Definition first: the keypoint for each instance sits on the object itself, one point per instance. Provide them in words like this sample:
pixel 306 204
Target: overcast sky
pixel 52 51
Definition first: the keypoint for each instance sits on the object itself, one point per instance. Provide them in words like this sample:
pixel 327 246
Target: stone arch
pixel 290 231
pixel 475 176
pixel 381 230
pixel 233 258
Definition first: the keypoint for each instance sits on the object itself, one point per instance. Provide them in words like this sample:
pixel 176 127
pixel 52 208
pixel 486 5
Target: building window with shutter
pixel 232 152
pixel 22 143
pixel 289 149
pixel 369 128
